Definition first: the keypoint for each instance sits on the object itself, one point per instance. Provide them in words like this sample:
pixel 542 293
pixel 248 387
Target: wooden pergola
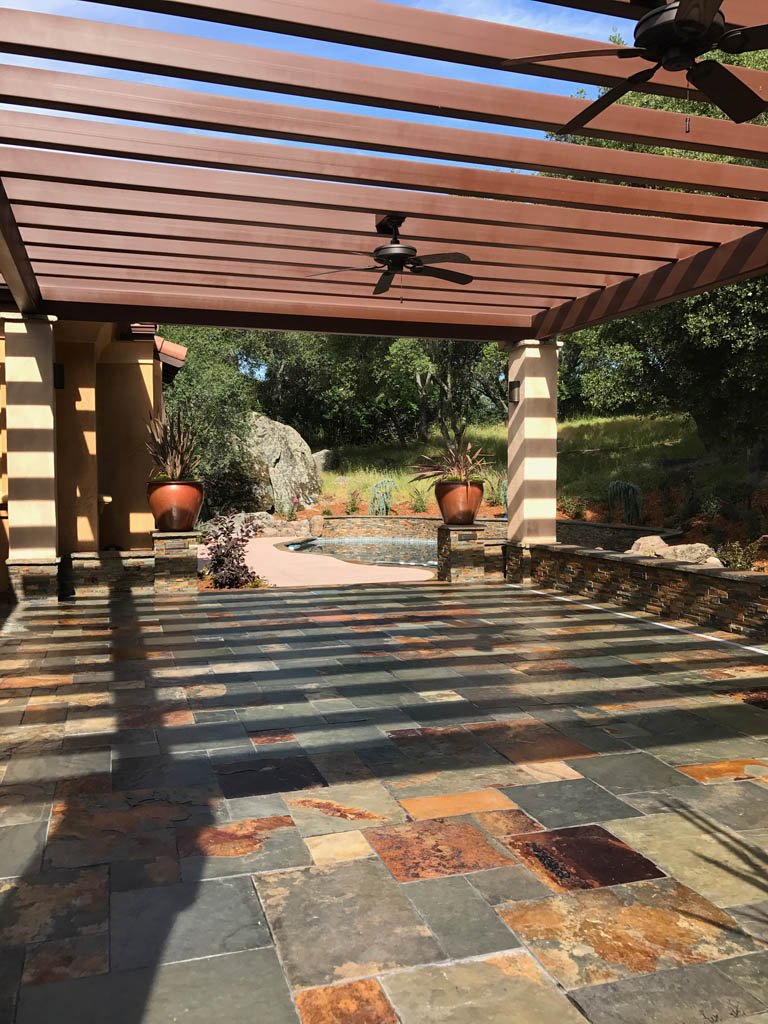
pixel 103 220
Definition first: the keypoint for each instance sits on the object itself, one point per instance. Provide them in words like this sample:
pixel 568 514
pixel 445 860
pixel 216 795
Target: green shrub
pixel 630 497
pixel 381 498
pixel 738 556
pixel 418 500
pixel 353 503
pixel 573 506
pixel 711 506
pixel 327 512
pixel 497 489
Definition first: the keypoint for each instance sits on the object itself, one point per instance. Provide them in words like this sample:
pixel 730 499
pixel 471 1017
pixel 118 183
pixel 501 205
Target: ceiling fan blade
pixel 343 270
pixel 745 40
pixel 726 91
pixel 543 58
pixel 445 275
pixel 442 257
pixel 697 15
pixel 607 100
pixel 385 282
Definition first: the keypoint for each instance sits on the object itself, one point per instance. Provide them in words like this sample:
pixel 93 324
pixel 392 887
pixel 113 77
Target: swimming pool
pixel 373 550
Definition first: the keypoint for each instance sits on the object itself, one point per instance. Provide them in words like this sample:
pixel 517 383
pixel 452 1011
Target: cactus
pixel 631 499
pixel 381 498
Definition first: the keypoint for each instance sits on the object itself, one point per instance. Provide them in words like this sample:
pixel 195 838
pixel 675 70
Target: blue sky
pixel 524 13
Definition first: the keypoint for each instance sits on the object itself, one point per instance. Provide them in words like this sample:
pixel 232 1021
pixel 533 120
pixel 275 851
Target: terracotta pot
pixel 175 504
pixel 459 502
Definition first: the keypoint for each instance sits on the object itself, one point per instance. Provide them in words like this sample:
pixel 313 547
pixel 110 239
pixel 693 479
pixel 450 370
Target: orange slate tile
pixel 33 682
pixel 504 824
pixel 360 1002
pixel 728 771
pixel 452 804
pixel 434 849
pixel 529 740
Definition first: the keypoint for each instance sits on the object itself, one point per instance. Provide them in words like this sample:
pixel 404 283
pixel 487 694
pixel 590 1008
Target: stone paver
pixel 379 805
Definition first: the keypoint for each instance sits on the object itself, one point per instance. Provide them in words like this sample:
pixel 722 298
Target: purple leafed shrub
pixel 226 537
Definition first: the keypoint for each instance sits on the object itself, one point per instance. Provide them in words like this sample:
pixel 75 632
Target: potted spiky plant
pixel 175 495
pixel 458 475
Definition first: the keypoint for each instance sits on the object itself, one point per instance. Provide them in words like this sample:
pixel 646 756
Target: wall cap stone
pixel 656 564
pixel 34 561
pixel 162 535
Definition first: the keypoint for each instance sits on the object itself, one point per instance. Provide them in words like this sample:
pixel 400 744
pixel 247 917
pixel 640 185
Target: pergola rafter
pixel 381 26
pixel 228 223
pixel 208 112
pixel 170 55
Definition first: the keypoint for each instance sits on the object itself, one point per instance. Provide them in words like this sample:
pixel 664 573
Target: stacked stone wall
pixel 719 599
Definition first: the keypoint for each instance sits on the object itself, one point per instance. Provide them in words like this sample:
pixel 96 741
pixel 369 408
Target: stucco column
pixel 30 420
pixel 532 443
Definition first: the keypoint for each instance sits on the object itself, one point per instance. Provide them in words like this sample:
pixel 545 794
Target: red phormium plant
pixel 172 447
pixel 456 464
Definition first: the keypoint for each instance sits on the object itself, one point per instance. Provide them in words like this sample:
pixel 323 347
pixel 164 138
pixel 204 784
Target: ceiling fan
pixel 394 258
pixel 673 36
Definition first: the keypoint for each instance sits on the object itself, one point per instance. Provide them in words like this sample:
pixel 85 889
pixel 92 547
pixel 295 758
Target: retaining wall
pixel 611 536
pixel 713 598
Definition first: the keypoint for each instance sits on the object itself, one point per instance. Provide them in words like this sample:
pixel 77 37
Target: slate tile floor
pixel 379 805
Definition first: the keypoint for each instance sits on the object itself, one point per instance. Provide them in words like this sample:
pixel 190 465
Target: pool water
pixel 374 550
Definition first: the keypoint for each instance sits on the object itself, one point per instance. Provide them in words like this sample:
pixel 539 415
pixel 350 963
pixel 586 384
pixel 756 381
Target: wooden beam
pixel 166 147
pixel 264 223
pixel 184 108
pixel 142 299
pixel 69 168
pixel 68 308
pixel 375 25
pixel 492 281
pixel 521 248
pixel 729 264
pixel 353 285
pixel 164 54
pixel 15 267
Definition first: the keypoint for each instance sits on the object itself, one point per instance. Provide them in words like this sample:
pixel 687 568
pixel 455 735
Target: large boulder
pixel 283 467
pixel 326 460
pixel 657 547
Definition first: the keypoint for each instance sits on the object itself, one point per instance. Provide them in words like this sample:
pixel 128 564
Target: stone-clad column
pixel 532 443
pixel 31 455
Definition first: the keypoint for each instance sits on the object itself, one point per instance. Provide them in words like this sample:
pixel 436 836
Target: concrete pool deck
pixel 269 557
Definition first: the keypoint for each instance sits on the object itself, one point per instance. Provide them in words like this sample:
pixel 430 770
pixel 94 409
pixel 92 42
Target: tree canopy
pixel 705 355
pixel 334 389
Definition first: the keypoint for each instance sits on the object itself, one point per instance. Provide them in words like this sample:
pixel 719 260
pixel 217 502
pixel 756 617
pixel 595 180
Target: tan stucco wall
pixel 126 394
pixel 5 581
pixel 30 437
pixel 77 478
pixel 532 444
pixel 70 449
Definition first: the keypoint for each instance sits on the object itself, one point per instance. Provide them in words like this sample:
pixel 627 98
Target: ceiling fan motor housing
pixel 394 255
pixel 673 45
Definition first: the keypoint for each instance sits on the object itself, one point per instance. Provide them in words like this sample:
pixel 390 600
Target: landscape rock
pixel 657 547
pixel 266 525
pixel 647 547
pixel 326 460
pixel 699 554
pixel 284 468
pixel 316 526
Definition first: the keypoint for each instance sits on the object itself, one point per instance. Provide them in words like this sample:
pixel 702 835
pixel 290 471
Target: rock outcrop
pixel 657 547
pixel 267 526
pixel 283 466
pixel 326 460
